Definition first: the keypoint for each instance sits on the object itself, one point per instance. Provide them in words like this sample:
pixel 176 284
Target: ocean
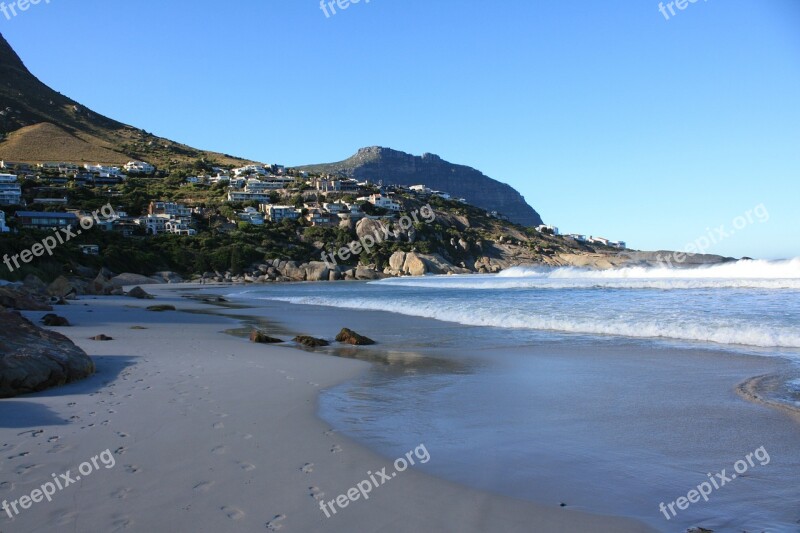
pixel 609 391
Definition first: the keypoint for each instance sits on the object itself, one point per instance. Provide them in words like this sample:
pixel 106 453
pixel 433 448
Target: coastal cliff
pixel 393 166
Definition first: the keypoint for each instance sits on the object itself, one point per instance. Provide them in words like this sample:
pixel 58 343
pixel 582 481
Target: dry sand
pixel 212 433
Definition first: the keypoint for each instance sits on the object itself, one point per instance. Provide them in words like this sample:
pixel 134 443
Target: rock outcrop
pixel 311 342
pixel 348 336
pixel 33 359
pixel 259 337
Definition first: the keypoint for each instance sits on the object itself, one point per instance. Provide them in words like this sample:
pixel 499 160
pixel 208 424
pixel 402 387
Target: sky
pixel 611 118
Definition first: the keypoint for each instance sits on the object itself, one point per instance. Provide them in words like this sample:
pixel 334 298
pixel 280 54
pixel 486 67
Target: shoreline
pixel 700 377
pixel 213 433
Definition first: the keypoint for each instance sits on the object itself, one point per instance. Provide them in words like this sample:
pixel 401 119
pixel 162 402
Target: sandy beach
pixel 212 433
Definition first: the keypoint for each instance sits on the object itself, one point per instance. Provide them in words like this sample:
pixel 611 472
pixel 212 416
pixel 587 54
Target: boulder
pixel 311 342
pixel 139 293
pixel 167 277
pixel 414 265
pixel 316 271
pixel 348 336
pixel 101 285
pixel 132 279
pixel 66 288
pixel 260 337
pixel 34 284
pixel 55 321
pixel 373 228
pixel 33 359
pixel 293 271
pixel 396 261
pixel 101 338
pixel 13 297
pixel 334 275
pixel 367 273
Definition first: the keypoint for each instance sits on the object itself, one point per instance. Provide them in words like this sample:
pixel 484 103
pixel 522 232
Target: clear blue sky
pixel 610 119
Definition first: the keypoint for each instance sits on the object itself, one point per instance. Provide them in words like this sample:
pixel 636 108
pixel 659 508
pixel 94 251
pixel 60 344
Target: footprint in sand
pixel 316 493
pixel 24 469
pixel 247 467
pixel 120 451
pixel 63 517
pixel 23 454
pixel 122 434
pixel 203 487
pixel 6 485
pixel 219 450
pixel 233 513
pixel 336 448
pixel 275 523
pixel 132 469
pixel 307 468
pixel 122 522
pixel 53 438
pixel 33 432
pixel 329 432
pixel 121 494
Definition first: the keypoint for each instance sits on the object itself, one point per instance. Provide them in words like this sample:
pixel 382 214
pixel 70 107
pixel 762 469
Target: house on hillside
pixel 40 220
pixel 10 190
pixel 139 167
pixel 277 213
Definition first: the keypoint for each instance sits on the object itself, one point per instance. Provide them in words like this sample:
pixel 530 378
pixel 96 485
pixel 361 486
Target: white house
pixel 578 237
pixel 548 229
pixel 250 170
pixel 619 244
pixel 139 167
pixel 379 200
pixel 245 196
pixel 154 224
pixel 599 240
pixel 169 208
pixel 3 227
pixel 103 171
pixel 251 216
pixel 10 190
pixel 276 213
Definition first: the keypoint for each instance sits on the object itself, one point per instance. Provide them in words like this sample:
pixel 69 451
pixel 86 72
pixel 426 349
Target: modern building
pixel 139 167
pixel 548 229
pixel 251 216
pixel 276 213
pixel 39 220
pixel 244 196
pixel 169 208
pixel 10 190
pixel 378 200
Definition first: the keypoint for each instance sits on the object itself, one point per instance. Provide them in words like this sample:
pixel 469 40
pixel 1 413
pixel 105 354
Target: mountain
pixel 38 124
pixel 399 168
